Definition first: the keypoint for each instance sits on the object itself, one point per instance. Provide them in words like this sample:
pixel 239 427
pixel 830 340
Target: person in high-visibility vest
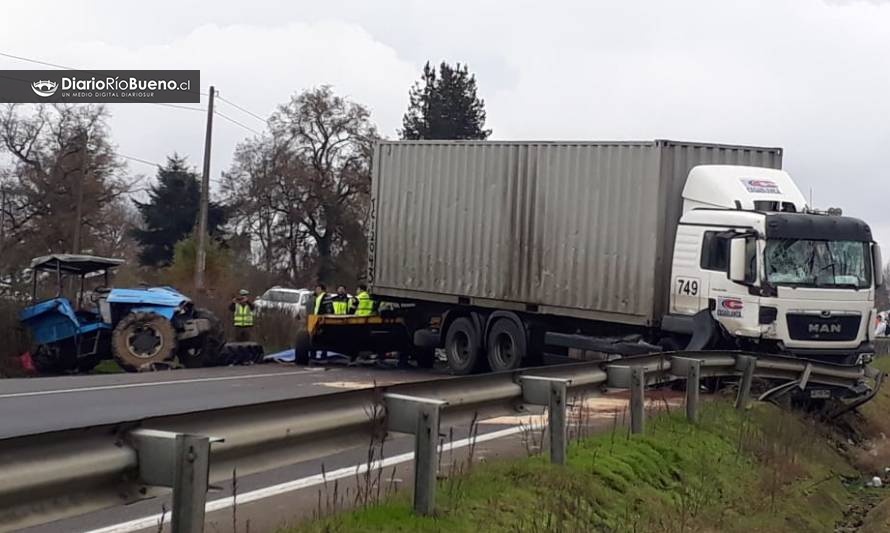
pixel 340 301
pixel 242 309
pixel 362 304
pixel 322 301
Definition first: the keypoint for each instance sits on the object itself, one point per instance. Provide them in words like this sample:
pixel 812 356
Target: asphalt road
pixel 38 405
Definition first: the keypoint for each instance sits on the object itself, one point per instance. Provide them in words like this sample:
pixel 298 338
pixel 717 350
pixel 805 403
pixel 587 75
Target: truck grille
pixel 819 328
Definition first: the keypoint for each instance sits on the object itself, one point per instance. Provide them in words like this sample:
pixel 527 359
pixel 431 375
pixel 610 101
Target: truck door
pixel 689 283
pixel 734 305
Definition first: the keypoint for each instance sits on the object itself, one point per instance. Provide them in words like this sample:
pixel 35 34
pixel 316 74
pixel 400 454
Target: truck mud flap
pixel 704 331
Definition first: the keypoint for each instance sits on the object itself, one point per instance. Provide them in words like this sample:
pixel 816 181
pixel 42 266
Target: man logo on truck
pixel 824 328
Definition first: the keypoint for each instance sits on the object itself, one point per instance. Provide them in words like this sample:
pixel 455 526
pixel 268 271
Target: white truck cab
pixel 769 273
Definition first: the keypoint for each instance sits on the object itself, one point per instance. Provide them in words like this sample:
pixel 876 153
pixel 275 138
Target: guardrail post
pixel 637 399
pixel 190 483
pixel 181 462
pixel 419 417
pixel 693 385
pixel 550 392
pixel 748 365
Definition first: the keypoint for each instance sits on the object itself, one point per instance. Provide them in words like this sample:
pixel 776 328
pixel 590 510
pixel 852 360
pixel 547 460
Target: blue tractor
pixel 140 328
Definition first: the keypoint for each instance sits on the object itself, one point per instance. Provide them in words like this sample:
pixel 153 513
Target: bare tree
pixel 65 176
pixel 302 190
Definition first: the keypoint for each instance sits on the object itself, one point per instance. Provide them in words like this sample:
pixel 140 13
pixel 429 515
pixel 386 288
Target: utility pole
pixel 201 255
pixel 78 206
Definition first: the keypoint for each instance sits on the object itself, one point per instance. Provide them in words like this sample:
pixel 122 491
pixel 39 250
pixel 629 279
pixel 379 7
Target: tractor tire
pixel 302 347
pixel 48 360
pixel 204 350
pixel 141 340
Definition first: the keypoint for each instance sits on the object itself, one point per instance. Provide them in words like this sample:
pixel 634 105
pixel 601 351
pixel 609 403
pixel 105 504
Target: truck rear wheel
pixel 507 345
pixel 462 347
pixel 143 339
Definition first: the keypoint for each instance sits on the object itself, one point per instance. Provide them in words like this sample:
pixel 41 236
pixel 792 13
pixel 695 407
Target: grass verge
pixel 762 470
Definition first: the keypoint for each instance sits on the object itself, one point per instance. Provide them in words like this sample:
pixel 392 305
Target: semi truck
pixel 498 252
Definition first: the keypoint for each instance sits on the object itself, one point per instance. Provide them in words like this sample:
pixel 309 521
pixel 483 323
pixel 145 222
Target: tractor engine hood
pixel 160 296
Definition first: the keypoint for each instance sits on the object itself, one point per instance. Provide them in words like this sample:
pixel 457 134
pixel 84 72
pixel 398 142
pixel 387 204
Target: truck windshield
pixel 812 263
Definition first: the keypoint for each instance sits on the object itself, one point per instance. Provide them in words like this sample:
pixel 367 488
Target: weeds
pixel 162 518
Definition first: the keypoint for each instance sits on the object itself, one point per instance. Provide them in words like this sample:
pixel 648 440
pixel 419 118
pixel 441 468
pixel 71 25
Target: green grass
pixel 765 470
pixel 108 366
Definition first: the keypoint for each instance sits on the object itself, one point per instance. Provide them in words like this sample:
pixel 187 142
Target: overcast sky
pixel 812 76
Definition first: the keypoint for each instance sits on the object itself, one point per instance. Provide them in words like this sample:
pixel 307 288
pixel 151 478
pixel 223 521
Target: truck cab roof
pixel 741 187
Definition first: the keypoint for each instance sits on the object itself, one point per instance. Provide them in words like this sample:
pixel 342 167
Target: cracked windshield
pixel 817 263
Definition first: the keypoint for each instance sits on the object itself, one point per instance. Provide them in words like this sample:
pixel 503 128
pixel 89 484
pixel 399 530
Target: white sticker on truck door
pixel 730 307
pixel 687 286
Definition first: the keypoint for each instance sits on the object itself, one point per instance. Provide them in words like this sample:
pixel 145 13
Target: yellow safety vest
pixel 243 316
pixel 365 304
pixel 318 301
pixel 340 305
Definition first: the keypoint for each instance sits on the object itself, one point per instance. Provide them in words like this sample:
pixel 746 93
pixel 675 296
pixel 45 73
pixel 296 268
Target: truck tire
pixel 507 345
pixel 205 349
pixel 462 347
pixel 143 339
pixel 302 346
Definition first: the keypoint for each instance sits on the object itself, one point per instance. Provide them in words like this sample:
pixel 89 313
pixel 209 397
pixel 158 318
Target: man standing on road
pixel 322 301
pixel 242 310
pixel 340 301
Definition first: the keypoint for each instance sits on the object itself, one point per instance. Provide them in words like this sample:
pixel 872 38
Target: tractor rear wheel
pixel 51 359
pixel 141 340
pixel 205 349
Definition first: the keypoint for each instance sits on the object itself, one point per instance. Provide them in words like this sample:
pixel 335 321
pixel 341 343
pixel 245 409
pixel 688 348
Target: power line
pixel 177 106
pixel 233 121
pixel 139 160
pixel 236 106
pixel 35 61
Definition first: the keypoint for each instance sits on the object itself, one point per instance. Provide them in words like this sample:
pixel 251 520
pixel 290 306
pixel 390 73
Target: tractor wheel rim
pixel 504 350
pixel 460 347
pixel 145 342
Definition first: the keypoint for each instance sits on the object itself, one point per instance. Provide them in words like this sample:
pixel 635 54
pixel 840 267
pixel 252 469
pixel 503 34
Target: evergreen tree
pixel 171 213
pixel 445 106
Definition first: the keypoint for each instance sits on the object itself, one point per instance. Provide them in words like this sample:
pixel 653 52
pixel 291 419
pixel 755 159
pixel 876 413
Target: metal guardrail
pixel 55 475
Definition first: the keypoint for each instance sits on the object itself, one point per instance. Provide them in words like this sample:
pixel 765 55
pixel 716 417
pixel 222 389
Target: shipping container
pixel 580 229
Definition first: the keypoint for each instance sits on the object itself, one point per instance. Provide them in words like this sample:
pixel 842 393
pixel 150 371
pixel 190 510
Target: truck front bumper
pixel 862 354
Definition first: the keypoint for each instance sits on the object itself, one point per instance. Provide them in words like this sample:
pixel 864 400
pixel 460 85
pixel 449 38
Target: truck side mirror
pixel 737 262
pixel 878 265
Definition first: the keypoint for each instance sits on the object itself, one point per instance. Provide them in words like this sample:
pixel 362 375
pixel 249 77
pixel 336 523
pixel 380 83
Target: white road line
pixel 311 481
pixel 152 384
